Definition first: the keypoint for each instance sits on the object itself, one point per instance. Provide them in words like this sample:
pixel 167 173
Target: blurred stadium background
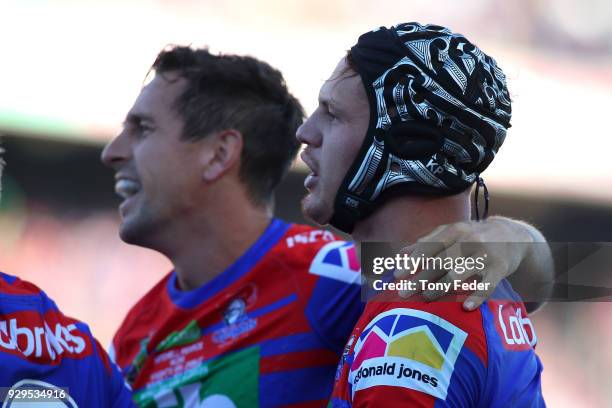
pixel 70 70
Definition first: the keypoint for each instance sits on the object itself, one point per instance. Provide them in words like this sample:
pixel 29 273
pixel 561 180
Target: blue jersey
pixel 45 354
pixel 438 355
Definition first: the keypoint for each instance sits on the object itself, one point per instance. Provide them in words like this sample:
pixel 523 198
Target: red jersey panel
pixel 438 355
pixel 266 332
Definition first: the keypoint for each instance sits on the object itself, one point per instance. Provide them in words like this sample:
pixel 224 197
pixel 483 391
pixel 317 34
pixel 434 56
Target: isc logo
pixel 40 342
pixel 309 237
pixel 516 331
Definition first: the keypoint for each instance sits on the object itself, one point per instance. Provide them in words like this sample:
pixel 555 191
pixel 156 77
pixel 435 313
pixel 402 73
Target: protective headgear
pixel 439 111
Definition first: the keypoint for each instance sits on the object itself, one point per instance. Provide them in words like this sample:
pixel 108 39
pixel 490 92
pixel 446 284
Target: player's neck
pixel 406 219
pixel 213 243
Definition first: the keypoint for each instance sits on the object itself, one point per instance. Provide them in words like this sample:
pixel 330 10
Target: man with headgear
pixel 406 124
pixel 252 300
pixel 49 358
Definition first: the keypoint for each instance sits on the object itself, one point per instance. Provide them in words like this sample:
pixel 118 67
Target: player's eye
pixel 145 128
pixel 329 114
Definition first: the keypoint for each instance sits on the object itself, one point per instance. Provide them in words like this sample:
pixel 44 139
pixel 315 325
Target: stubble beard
pixel 316 210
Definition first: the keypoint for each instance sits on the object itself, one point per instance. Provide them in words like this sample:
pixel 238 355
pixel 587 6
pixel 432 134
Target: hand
pixel 501 241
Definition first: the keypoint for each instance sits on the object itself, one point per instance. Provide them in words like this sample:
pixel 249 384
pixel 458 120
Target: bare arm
pixel 515 250
pixel 536 271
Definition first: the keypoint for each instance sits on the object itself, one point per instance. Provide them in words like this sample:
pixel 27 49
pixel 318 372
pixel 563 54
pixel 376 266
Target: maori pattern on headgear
pixel 444 80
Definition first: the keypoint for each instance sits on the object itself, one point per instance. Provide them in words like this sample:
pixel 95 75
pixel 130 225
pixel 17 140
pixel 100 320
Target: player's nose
pixel 116 151
pixel 308 133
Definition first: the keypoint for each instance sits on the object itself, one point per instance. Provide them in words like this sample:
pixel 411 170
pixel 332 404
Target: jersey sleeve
pixel 335 303
pixel 42 347
pixel 413 357
pixel 119 394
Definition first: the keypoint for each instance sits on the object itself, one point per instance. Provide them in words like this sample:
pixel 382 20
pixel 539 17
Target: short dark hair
pixel 350 60
pixel 239 92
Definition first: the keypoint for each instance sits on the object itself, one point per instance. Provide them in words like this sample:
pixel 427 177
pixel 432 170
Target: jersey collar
pixel 190 299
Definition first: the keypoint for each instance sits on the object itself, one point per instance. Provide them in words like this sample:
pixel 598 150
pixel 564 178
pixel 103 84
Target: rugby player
pixel 256 311
pixel 48 358
pixel 405 125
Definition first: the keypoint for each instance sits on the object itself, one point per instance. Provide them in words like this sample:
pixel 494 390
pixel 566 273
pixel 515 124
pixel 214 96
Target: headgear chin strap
pixel 439 111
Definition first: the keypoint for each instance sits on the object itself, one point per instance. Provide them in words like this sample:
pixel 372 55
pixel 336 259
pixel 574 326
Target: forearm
pixel 535 274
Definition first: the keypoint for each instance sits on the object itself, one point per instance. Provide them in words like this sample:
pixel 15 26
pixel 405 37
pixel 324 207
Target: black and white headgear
pixel 439 111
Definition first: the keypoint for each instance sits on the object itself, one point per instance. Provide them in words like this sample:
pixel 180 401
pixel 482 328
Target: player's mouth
pixel 312 179
pixel 126 188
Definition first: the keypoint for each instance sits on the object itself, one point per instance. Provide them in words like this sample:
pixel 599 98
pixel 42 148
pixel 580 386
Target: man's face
pixel 157 173
pixel 333 135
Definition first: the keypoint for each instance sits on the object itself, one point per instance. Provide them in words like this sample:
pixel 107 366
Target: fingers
pixel 431 245
pixel 459 240
pixel 419 250
pixel 429 275
pixel 433 274
pixel 488 282
pixel 476 299
pixel 445 286
pixel 400 273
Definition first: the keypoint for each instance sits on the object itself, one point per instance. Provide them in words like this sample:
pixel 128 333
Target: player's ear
pixel 222 153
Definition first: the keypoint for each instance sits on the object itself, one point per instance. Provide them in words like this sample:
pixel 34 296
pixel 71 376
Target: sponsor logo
pixel 309 237
pixel 237 322
pixel 190 333
pixel 402 372
pixel 209 383
pixel 407 348
pixel 235 311
pixel 337 260
pixel 25 334
pixel 191 396
pixel 516 331
pixel 132 371
pixel 217 401
pixel 235 330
